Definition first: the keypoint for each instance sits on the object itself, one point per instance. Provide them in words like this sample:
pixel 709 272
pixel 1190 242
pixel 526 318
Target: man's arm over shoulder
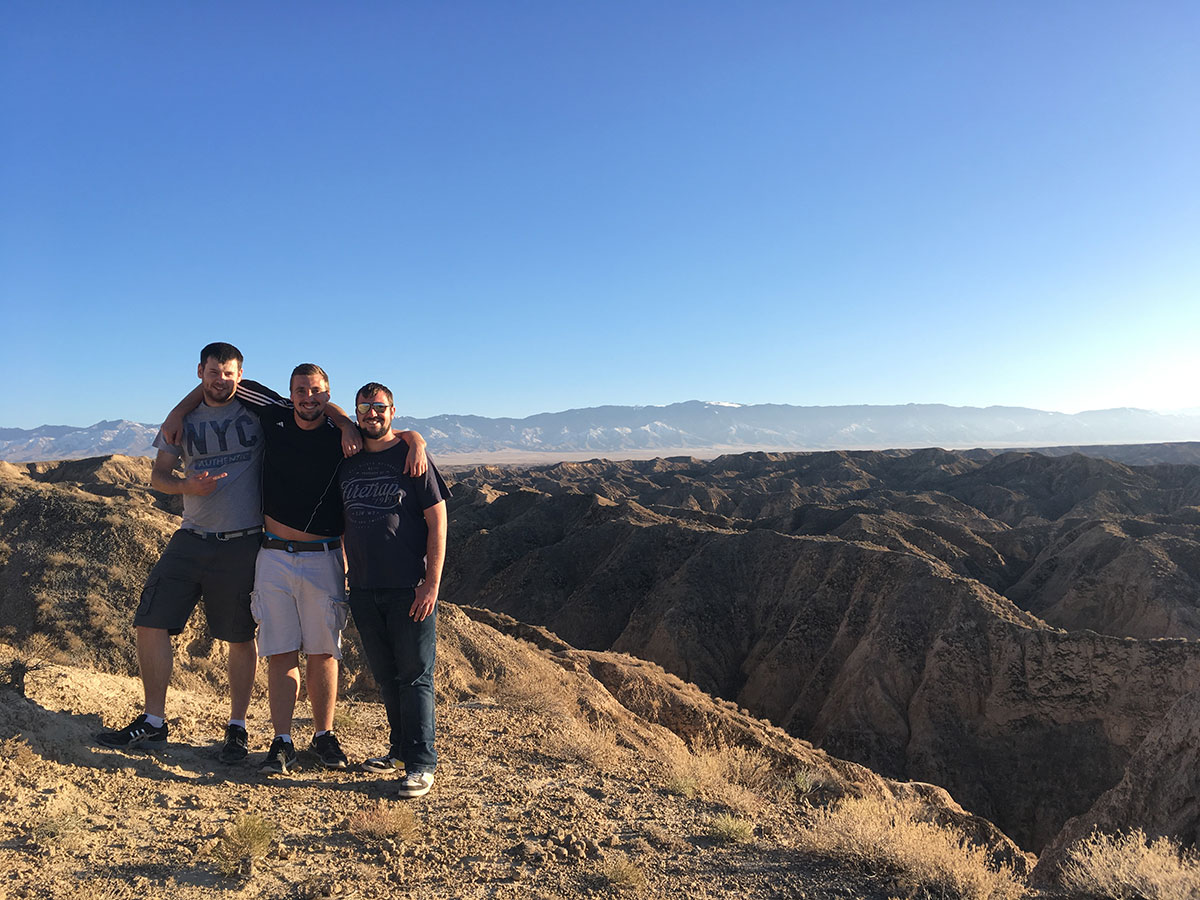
pixel 351 436
pixel 257 396
pixel 172 426
pixel 417 461
pixel 253 396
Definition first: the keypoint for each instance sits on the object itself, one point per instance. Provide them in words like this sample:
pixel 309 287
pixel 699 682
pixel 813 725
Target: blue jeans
pixel 401 654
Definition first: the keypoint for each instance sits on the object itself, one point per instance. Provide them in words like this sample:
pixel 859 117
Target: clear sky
pixel 507 207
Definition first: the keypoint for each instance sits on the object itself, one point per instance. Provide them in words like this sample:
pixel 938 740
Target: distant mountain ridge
pixel 71 442
pixel 697 425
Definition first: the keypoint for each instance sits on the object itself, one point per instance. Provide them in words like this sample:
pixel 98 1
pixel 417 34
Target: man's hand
pixel 351 439
pixel 425 600
pixel 201 484
pixel 172 428
pixel 415 463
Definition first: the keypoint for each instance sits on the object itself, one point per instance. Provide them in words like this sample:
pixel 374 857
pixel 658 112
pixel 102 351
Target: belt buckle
pixel 291 547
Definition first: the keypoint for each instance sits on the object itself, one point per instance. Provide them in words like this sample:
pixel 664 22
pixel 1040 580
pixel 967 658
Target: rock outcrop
pixel 1159 792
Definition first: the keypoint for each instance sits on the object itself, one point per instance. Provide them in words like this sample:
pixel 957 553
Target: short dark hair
pixel 308 369
pixel 220 352
pixel 374 387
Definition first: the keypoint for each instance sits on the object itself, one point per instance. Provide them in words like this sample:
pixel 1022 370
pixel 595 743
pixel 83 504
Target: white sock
pixel 240 723
pixel 286 737
pixel 154 721
pixel 318 734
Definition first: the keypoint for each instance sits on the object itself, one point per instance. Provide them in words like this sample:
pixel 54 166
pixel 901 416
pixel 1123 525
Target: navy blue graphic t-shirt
pixel 386 533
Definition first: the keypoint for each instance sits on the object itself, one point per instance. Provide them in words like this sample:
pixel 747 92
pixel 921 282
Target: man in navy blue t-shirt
pixel 395 545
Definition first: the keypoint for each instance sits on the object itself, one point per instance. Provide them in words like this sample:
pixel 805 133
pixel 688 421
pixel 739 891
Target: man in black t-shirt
pixel 395 548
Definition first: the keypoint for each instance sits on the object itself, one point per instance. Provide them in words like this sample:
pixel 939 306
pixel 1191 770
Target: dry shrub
pixel 730 829
pixel 534 691
pixel 623 874
pixel 484 687
pixel 62 829
pixel 17 749
pixel 248 841
pixel 749 768
pixel 576 740
pixel 24 662
pixel 733 776
pixel 925 858
pixel 1124 867
pixel 381 821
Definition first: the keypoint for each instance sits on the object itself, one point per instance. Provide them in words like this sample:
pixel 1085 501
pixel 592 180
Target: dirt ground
pixel 517 811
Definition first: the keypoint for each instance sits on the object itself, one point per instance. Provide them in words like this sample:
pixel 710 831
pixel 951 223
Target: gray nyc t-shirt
pixel 221 440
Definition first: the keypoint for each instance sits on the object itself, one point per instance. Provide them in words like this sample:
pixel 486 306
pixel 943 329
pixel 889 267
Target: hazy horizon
pixel 1194 411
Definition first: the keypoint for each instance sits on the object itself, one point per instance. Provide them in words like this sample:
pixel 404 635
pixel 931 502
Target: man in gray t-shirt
pixel 211 556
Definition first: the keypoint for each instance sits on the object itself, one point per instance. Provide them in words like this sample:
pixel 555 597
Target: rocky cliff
pixel 880 604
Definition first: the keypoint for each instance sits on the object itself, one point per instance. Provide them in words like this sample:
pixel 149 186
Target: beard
pixel 310 415
pixel 219 395
pixel 374 428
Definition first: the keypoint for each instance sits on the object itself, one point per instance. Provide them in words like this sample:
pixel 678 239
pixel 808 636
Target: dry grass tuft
pixel 345 723
pixel 383 821
pixel 1124 867
pixel 803 781
pixel 682 785
pixel 925 859
pixel 622 874
pixel 248 841
pixel 730 829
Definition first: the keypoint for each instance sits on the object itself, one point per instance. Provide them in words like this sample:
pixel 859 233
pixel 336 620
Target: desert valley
pixel 667 677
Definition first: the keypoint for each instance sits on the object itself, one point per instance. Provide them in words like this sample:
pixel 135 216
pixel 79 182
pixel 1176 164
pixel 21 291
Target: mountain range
pixel 695 426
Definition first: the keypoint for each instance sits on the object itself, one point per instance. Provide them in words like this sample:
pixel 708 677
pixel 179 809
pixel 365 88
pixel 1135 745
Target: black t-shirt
pixel 300 467
pixel 386 533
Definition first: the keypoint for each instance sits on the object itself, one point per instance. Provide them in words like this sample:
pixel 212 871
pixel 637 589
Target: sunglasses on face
pixel 365 408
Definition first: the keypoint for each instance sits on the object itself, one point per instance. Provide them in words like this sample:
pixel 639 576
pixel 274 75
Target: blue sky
pixel 506 208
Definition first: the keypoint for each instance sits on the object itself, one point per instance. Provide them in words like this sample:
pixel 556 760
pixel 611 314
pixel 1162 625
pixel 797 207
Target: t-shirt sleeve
pixel 160 443
pixel 431 489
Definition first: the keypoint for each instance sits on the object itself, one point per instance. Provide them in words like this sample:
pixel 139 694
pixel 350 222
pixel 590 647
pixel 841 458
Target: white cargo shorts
pixel 299 601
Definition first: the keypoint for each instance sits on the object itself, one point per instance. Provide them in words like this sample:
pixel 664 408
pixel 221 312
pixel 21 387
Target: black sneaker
pixel 138 733
pixel 388 764
pixel 327 748
pixel 237 744
pixel 281 758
